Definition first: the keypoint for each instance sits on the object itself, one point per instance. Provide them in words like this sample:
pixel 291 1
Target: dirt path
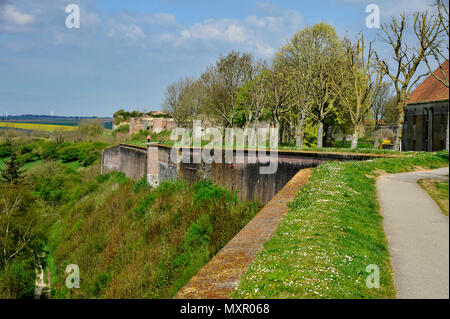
pixel 42 289
pixel 218 278
pixel 417 233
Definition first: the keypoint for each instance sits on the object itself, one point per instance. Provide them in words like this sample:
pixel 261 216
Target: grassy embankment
pixel 132 241
pixel 438 190
pixel 332 232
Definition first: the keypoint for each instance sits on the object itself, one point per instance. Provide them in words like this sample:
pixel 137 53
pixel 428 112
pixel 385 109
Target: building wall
pixel 425 127
pixel 153 125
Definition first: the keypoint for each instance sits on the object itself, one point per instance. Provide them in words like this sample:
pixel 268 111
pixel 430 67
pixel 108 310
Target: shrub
pixel 124 128
pixel 69 154
pixel 206 191
pixel 17 281
pixel 5 150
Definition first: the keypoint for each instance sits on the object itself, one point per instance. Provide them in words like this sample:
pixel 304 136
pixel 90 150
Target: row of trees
pixel 315 78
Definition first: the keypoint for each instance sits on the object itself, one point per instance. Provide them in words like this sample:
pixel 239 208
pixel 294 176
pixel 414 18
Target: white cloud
pixel 235 33
pixel 164 19
pixel 130 31
pixel 11 14
pixel 167 20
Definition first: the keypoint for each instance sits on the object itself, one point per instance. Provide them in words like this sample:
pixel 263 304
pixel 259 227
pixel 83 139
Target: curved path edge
pixel 417 233
pixel 221 275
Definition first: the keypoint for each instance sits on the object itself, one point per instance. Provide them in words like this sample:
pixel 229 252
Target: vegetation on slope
pixel 132 241
pixel 332 232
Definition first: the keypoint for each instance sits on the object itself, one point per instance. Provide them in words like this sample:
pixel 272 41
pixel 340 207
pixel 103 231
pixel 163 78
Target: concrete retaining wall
pixel 154 163
pixel 132 161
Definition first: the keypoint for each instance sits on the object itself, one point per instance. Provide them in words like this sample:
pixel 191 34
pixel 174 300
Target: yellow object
pixel 39 127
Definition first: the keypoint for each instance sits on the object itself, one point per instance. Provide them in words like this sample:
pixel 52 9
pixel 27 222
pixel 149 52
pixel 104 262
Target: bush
pixel 124 128
pixel 5 150
pixel 69 154
pixel 206 191
pixel 17 281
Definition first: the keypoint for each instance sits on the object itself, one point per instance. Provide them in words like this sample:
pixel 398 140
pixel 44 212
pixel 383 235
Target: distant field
pixel 39 127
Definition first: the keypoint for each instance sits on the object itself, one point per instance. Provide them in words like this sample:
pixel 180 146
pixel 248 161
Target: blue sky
pixel 126 52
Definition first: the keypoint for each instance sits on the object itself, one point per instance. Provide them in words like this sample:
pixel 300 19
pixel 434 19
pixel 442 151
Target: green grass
pixel 2 160
pixel 134 241
pixel 439 191
pixel 332 232
pixel 75 164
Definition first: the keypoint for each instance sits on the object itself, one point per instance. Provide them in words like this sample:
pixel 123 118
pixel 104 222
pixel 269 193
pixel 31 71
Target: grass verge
pixel 332 232
pixel 438 190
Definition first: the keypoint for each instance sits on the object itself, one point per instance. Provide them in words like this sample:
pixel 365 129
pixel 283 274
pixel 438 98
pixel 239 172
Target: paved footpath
pixel 417 233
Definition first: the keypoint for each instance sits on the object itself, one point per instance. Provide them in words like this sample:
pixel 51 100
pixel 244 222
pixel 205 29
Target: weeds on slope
pixel 133 241
pixel 332 232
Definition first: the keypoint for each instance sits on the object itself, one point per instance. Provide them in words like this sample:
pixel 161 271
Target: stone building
pixel 427 115
pixel 151 124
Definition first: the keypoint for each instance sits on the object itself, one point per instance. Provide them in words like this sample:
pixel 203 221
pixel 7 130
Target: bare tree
pixel 406 59
pixel 279 93
pixel 440 47
pixel 258 92
pixel 184 100
pixel 380 103
pixel 439 51
pixel 357 84
pixel 223 81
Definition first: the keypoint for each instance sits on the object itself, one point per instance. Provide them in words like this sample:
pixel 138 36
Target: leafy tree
pixel 19 240
pixel 312 57
pixel 89 130
pixel 296 62
pixel 12 173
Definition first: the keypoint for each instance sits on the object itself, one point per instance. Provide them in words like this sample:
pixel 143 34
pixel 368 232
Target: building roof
pixel 431 89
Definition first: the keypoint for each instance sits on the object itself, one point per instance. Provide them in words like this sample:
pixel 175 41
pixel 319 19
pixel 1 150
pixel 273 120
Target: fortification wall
pixel 155 164
pixel 132 161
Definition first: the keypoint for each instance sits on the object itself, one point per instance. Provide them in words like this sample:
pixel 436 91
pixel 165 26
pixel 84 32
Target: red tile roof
pixel 431 89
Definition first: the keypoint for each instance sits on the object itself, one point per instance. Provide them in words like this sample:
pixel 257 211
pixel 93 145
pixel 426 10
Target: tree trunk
pixel 344 137
pixel 355 137
pixel 399 131
pixel 300 136
pixel 276 124
pixel 447 135
pixel 320 135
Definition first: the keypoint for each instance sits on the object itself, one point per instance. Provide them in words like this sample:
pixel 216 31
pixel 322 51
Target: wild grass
pixel 332 232
pixel 132 241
